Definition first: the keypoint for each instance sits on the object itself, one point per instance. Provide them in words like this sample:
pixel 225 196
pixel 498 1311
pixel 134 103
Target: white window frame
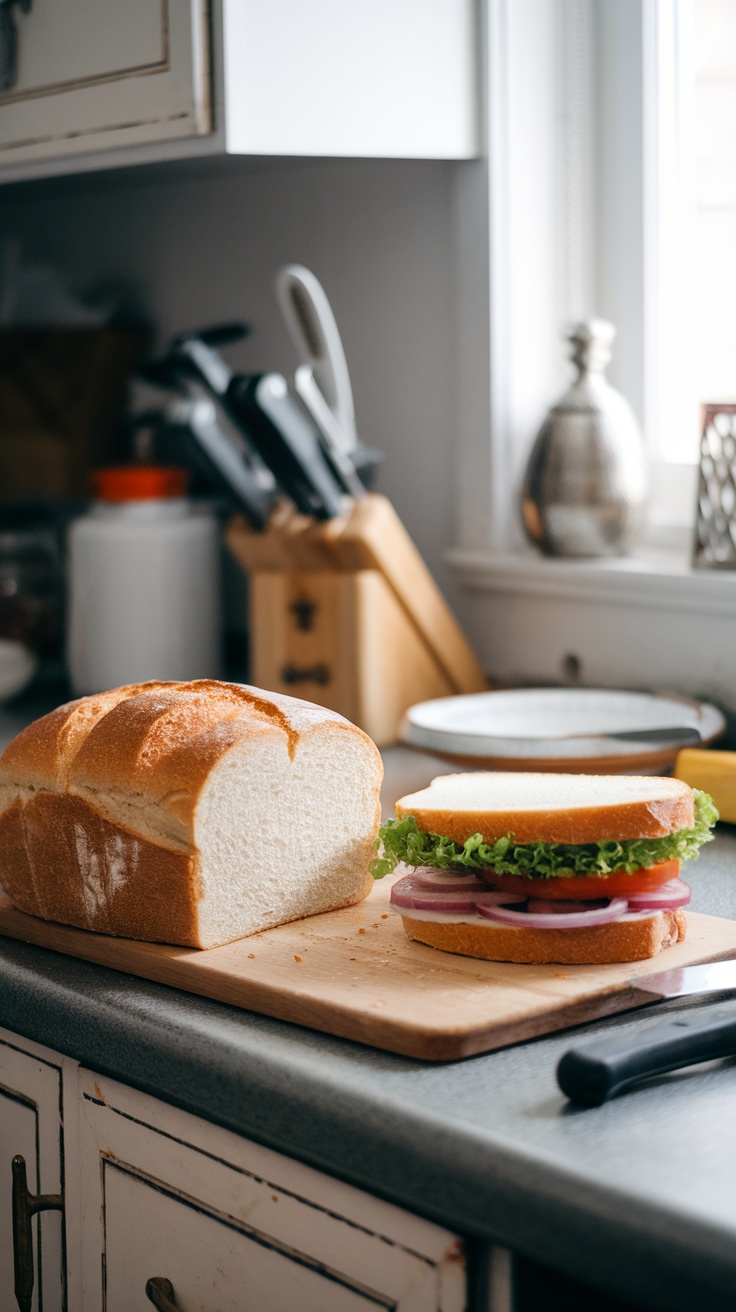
pixel 568 193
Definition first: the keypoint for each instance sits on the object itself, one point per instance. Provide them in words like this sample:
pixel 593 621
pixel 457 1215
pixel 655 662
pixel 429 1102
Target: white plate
pixel 543 724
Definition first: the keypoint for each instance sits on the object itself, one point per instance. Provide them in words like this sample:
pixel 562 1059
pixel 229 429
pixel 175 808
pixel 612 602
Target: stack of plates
pixel 591 730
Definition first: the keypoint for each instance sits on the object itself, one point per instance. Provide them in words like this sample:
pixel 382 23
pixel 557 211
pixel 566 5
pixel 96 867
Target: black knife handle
pixel 219 334
pixel 286 441
pixel 593 1073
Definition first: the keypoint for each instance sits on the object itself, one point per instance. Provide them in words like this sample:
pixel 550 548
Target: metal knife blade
pixel 714 977
pixel 595 1071
pixel 680 734
pixel 684 735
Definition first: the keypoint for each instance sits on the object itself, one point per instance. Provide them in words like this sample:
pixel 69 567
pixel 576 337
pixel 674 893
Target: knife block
pixel 346 614
pixel 342 640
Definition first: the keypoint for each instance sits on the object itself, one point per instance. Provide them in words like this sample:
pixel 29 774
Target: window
pixel 612 192
pixel 696 146
pixel 611 153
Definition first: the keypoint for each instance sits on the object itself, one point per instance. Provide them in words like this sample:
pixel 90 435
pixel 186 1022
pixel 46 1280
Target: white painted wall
pixel 189 245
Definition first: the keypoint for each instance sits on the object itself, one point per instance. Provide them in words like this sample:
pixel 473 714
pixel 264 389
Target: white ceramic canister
pixel 144 585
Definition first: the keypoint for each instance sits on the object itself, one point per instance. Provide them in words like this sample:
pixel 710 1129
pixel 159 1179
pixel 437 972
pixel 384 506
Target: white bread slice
pixel 625 940
pixel 552 808
pixel 189 813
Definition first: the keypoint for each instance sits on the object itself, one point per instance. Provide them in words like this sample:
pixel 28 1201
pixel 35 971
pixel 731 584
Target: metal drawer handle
pixel 25 1206
pixel 161 1293
pixel 306 674
pixel 9 41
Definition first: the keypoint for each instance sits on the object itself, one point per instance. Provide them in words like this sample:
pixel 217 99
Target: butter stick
pixel 714 772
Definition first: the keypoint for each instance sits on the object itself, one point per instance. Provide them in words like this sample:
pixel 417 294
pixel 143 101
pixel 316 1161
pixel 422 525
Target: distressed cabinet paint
pixel 233 1225
pixel 96 73
pixel 102 84
pixel 153 1191
pixel 31 1124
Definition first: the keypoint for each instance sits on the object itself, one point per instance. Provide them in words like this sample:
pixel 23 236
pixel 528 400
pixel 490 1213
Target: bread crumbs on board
pixel 296 958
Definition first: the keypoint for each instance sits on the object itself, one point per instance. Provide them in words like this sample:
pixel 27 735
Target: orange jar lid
pixel 140 483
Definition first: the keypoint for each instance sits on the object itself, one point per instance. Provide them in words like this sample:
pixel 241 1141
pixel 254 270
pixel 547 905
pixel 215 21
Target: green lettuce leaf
pixel 402 840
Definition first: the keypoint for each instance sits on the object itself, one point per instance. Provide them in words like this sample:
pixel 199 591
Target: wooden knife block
pixel 346 614
pixel 342 640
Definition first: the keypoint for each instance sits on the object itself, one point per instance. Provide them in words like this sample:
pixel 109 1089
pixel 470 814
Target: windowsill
pixel 649 579
pixel 646 621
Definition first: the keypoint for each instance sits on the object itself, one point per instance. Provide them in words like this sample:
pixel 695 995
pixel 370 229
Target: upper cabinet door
pixel 91 74
pixel 372 78
pixel 103 83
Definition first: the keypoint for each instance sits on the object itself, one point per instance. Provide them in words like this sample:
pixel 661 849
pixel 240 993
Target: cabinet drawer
pixel 211 1261
pixel 96 73
pixel 234 1226
pixel 31 1125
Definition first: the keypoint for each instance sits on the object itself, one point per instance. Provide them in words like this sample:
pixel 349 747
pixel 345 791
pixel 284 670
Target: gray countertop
pixel 637 1197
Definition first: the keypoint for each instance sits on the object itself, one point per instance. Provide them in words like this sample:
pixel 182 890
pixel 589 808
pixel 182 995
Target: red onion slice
pixel 567 920
pixel 675 893
pixel 427 889
pixel 428 877
pixel 409 893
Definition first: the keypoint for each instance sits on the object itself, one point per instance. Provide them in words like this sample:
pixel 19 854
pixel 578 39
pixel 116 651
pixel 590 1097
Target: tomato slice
pixel 619 884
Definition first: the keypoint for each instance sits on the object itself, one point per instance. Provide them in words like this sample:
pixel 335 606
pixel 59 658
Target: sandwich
pixel 188 813
pixel 571 869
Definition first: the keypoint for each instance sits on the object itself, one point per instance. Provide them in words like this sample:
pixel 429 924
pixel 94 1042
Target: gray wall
pixel 186 246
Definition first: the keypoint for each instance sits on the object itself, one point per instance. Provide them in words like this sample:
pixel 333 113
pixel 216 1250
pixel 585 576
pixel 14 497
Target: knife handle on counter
pixel 596 1071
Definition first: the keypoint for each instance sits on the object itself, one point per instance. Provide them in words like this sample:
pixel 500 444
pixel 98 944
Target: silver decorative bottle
pixel 585 485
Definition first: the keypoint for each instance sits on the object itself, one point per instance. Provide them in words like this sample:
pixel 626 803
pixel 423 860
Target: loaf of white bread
pixel 187 813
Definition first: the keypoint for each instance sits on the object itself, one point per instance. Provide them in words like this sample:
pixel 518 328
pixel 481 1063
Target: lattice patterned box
pixel 715 533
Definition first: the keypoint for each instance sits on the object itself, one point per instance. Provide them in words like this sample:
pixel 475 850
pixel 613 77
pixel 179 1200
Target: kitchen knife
pixel 285 439
pixel 322 381
pixel 329 430
pixel 222 463
pixel 200 358
pixel 262 409
pixel 671 736
pixel 311 323
pixel 195 355
pixel 194 369
pixel 595 1071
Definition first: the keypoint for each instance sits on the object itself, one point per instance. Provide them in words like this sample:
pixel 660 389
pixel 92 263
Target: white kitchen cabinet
pixel 151 1191
pixel 100 84
pixel 94 74
pixel 31 1126
pixel 234 1226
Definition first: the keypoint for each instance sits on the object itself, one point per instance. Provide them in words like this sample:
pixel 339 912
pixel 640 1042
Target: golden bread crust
pixel 654 817
pixel 98 800
pixel 627 940
pixel 153 741
pixel 61 860
pixel 42 754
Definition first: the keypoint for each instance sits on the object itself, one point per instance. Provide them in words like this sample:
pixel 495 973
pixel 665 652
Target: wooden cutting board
pixel 355 974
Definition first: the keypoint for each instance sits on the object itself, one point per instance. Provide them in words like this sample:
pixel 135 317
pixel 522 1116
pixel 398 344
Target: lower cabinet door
pixel 31 1127
pixel 234 1227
